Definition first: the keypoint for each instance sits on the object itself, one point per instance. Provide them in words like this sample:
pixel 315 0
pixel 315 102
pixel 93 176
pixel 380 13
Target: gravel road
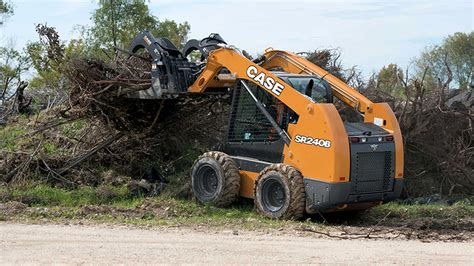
pixel 77 244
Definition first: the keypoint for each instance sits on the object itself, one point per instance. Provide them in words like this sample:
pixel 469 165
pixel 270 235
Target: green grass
pixel 11 133
pixel 43 195
pixel 117 205
pixel 9 136
pixel 72 129
pixel 49 148
pixel 120 207
pixel 14 135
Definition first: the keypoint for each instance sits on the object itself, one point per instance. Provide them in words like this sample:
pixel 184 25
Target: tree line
pixel 116 22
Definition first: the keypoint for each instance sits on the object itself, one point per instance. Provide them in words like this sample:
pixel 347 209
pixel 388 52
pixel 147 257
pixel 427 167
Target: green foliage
pixel 456 52
pixel 72 129
pixel 7 58
pixel 117 22
pixel 49 148
pixel 6 10
pixel 388 80
pixel 48 70
pixel 74 204
pixel 177 33
pixel 5 7
pixel 9 136
pixel 120 20
pixel 49 61
pixel 117 205
pixel 13 64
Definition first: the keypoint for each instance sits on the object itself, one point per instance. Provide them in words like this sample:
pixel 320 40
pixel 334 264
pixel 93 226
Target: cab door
pixel 250 133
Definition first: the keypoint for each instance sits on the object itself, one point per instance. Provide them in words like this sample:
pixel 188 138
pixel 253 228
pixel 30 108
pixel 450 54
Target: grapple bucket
pixel 171 72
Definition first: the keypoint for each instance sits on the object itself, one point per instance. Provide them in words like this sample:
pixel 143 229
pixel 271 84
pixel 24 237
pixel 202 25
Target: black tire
pixel 215 179
pixel 279 192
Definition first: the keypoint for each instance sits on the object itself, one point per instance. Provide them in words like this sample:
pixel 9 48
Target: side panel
pixel 323 125
pixel 247 182
pixel 249 170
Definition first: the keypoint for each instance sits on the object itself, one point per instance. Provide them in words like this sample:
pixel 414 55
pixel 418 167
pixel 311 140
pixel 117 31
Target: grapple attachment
pixel 171 72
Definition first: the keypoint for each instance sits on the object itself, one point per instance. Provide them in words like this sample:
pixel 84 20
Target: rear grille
pixel 371 172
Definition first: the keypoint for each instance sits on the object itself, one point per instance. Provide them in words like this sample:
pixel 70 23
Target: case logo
pixel 268 83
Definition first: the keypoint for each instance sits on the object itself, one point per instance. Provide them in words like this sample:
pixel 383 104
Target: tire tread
pixel 296 207
pixel 231 178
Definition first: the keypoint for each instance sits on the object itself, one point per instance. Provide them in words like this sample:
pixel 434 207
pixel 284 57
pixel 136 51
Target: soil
pixel 336 226
pixel 76 244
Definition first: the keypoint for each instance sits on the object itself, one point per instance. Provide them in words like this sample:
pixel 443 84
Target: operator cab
pixel 250 134
pixel 316 88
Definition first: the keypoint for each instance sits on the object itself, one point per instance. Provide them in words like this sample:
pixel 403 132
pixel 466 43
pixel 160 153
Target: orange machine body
pixel 327 156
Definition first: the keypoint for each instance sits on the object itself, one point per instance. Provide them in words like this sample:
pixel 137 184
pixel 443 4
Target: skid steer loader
pixel 287 146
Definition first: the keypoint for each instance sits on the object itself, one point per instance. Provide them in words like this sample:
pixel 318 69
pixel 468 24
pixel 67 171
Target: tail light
pixel 389 138
pixel 355 139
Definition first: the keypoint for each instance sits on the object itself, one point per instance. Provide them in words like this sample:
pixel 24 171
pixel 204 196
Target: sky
pixel 370 33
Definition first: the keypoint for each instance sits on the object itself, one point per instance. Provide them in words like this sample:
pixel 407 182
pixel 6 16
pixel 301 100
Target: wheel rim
pixel 207 181
pixel 273 194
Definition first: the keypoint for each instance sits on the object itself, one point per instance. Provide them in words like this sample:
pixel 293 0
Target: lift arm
pixel 242 68
pixel 293 63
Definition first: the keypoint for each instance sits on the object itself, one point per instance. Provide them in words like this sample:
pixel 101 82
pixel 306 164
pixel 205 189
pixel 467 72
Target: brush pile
pixel 100 128
pixel 438 134
pixel 97 90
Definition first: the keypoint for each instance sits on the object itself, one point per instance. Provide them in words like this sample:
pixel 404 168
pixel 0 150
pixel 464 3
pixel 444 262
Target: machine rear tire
pixel 279 192
pixel 215 179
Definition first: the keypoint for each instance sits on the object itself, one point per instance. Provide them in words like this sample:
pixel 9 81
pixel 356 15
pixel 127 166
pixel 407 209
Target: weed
pixel 9 136
pixel 49 148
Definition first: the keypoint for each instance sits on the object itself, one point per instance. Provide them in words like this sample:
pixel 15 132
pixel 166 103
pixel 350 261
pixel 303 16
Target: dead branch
pixel 76 161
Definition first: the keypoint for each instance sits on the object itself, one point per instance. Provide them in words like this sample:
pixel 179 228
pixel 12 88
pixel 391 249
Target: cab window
pixel 248 123
pixel 320 88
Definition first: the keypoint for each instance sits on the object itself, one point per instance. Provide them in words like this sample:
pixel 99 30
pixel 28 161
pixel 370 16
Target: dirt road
pixel 111 244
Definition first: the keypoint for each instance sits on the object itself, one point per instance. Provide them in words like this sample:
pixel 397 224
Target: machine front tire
pixel 279 192
pixel 215 179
